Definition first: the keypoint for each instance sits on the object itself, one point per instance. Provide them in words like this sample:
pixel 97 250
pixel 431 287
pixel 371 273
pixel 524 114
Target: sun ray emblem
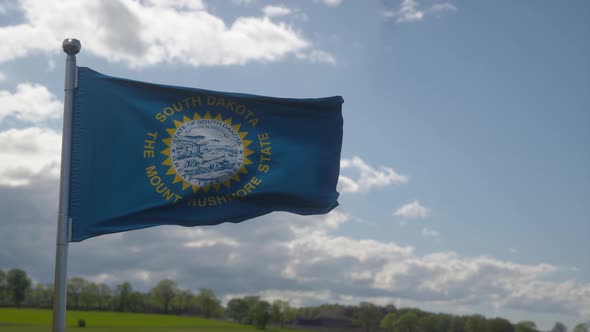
pixel 204 153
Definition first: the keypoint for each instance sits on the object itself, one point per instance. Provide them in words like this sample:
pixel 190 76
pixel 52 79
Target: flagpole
pixel 71 47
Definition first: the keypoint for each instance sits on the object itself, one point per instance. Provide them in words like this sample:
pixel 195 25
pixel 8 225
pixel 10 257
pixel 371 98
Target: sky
pixel 465 163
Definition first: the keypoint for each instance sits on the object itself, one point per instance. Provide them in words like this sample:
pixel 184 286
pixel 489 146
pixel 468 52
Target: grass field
pixel 34 320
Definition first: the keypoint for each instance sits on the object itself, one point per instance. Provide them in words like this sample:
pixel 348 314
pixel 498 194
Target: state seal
pixel 206 152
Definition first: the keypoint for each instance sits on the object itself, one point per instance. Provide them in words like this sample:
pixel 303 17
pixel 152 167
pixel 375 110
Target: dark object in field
pixel 81 323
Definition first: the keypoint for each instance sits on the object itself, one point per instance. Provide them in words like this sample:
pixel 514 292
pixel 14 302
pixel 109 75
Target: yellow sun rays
pixel 187 185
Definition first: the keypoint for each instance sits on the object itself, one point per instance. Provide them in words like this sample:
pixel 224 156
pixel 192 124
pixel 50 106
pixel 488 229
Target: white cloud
pixel 211 243
pixel 272 11
pixel 243 2
pixel 431 233
pixel 366 177
pixel 2 77
pixel 148 33
pixel 296 298
pixel 413 210
pixel 317 56
pixel 330 3
pixel 410 11
pixel 30 102
pixel 448 277
pixel 546 297
pixel 178 4
pixel 206 242
pixel 442 7
pixel 28 154
pixel 302 259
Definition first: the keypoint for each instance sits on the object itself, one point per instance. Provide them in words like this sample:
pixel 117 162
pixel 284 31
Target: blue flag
pixel 147 154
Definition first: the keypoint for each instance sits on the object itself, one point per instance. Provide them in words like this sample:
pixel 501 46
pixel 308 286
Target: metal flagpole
pixel 71 47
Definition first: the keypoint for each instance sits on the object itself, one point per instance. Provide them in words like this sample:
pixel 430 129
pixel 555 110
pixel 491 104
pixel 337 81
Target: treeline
pixel 16 289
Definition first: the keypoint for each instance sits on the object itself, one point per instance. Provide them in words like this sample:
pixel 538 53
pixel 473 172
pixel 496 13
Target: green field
pixel 34 320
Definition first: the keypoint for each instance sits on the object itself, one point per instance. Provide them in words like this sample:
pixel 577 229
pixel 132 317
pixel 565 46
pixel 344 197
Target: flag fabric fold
pixel 147 154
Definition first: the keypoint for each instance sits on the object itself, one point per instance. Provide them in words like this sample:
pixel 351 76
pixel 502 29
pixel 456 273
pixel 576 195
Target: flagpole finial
pixel 71 46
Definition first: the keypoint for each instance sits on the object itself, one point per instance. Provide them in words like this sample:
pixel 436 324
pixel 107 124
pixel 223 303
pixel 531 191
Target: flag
pixel 147 154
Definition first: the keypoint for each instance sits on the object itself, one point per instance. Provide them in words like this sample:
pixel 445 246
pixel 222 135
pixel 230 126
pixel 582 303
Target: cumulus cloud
pixel 32 153
pixel 317 56
pixel 296 298
pixel 271 11
pixel 28 154
pixel 243 2
pixel 448 277
pixel 178 4
pixel 293 13
pixel 365 177
pixel 330 3
pixel 302 259
pixel 411 11
pixel 540 296
pixel 30 103
pixel 149 33
pixel 413 210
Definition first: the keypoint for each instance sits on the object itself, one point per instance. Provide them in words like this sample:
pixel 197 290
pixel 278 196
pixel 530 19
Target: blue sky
pixel 465 162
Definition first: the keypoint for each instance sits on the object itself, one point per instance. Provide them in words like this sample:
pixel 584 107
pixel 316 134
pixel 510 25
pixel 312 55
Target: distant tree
pixel 419 313
pixel 207 303
pixel 251 302
pixel 89 296
pixel 368 316
pixel 281 312
pixel 499 325
pixel 457 324
pixel 75 286
pixel 429 323
pixel 104 300
pixel 582 327
pixel 559 327
pixel 526 326
pixel 237 309
pixel 407 322
pixel 163 293
pixel 121 301
pixel 290 315
pixel 444 322
pixel 388 322
pixel 475 323
pixel 260 314
pixel 390 308
pixel 4 298
pixel 308 312
pixel 137 302
pixel 17 284
pixel 40 296
pixel 183 302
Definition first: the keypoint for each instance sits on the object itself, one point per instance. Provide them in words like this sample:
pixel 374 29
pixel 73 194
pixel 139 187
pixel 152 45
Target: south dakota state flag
pixel 146 154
